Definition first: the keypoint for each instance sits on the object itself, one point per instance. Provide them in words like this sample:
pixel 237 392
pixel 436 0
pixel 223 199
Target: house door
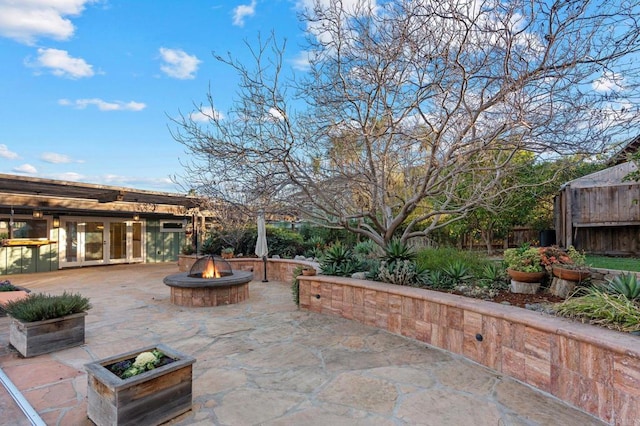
pixel 92 241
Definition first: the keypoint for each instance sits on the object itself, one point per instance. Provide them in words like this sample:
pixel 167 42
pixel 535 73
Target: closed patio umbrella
pixel 262 250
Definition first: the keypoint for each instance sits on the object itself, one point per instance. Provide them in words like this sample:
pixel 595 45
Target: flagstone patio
pixel 265 362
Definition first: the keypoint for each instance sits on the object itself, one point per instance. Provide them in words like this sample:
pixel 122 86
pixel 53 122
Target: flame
pixel 210 271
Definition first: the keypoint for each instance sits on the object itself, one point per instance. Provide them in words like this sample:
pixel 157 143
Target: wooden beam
pixel 110 196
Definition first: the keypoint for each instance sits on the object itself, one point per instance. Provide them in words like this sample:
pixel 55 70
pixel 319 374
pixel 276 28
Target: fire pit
pixel 210 282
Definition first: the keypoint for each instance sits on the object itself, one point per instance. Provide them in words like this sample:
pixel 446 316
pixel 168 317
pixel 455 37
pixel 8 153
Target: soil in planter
pixel 519 299
pixel 118 368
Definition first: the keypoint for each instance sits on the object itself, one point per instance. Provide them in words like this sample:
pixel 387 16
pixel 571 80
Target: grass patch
pixel 618 263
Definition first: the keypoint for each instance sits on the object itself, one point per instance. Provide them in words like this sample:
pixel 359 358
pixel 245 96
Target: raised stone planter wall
pixel 277 269
pixel 594 369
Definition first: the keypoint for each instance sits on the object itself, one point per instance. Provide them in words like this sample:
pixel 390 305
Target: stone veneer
pixel 594 369
pixel 196 297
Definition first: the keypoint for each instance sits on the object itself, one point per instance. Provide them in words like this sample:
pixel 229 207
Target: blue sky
pixel 87 85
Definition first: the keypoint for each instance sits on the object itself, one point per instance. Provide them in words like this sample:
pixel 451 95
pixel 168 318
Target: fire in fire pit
pixel 210 267
pixel 210 282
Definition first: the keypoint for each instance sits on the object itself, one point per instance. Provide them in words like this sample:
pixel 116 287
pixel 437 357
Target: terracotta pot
pixel 570 274
pixel 308 271
pixel 526 277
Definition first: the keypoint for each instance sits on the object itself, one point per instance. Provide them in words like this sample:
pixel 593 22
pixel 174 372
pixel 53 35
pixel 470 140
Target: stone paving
pixel 265 362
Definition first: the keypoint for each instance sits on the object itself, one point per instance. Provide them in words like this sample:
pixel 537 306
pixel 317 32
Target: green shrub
pixel 327 235
pixel 40 307
pixel 7 286
pixel 212 244
pixel 625 284
pixel 435 259
pixel 283 242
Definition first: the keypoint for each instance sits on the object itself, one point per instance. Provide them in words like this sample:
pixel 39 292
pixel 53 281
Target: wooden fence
pixel 600 219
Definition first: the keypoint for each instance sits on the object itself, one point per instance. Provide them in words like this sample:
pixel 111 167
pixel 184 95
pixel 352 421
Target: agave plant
pixel 339 260
pixel 439 280
pixel 458 272
pixel 364 248
pixel 625 284
pixel 396 251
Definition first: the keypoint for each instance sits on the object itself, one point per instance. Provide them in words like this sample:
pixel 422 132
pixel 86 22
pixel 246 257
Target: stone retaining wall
pixel 277 269
pixel 599 276
pixel 594 369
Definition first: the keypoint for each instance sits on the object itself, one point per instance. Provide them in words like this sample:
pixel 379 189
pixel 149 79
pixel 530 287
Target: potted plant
pixel 308 271
pixel 572 266
pixel 524 264
pixel 150 385
pixel 227 253
pixel 42 323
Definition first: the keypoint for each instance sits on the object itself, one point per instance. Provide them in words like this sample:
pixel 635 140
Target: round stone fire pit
pixel 210 282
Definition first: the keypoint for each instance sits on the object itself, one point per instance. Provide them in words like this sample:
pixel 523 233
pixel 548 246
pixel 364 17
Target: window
pixel 23 228
pixel 172 226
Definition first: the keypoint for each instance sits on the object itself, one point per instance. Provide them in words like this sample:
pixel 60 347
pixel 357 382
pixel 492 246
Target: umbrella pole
pixel 264 262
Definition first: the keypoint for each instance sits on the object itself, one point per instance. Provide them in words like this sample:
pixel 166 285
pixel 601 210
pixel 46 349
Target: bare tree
pixel 411 111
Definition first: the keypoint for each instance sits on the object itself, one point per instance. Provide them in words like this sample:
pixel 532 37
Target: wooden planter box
pixel 41 337
pixel 150 398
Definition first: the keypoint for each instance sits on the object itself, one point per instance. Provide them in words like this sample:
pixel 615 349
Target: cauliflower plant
pixel 143 359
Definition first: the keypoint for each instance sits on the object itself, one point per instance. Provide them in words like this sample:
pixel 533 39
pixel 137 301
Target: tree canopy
pixel 413 113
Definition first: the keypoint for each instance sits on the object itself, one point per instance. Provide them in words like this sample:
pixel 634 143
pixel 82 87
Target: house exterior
pixel 600 213
pixel 47 224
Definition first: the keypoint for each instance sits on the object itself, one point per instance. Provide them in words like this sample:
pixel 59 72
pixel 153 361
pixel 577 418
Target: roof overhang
pixel 77 197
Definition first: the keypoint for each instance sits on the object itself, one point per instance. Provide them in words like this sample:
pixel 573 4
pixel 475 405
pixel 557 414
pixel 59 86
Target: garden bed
pixel 521 300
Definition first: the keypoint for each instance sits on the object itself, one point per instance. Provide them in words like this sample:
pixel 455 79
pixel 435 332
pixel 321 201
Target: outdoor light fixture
pixel 37 214
pixel 56 222
pixel 136 216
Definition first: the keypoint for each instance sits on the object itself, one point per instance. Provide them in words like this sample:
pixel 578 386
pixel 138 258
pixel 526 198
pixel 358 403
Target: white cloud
pixel 609 81
pixel 63 65
pixel 104 105
pixel 25 168
pixel 27 20
pixel 243 11
pixel 52 157
pixel 206 114
pixel 276 113
pixel 69 176
pixel 6 153
pixel 301 62
pixel 135 182
pixel 179 64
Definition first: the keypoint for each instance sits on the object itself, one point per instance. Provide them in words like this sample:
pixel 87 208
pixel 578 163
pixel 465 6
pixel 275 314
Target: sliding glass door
pixel 100 241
